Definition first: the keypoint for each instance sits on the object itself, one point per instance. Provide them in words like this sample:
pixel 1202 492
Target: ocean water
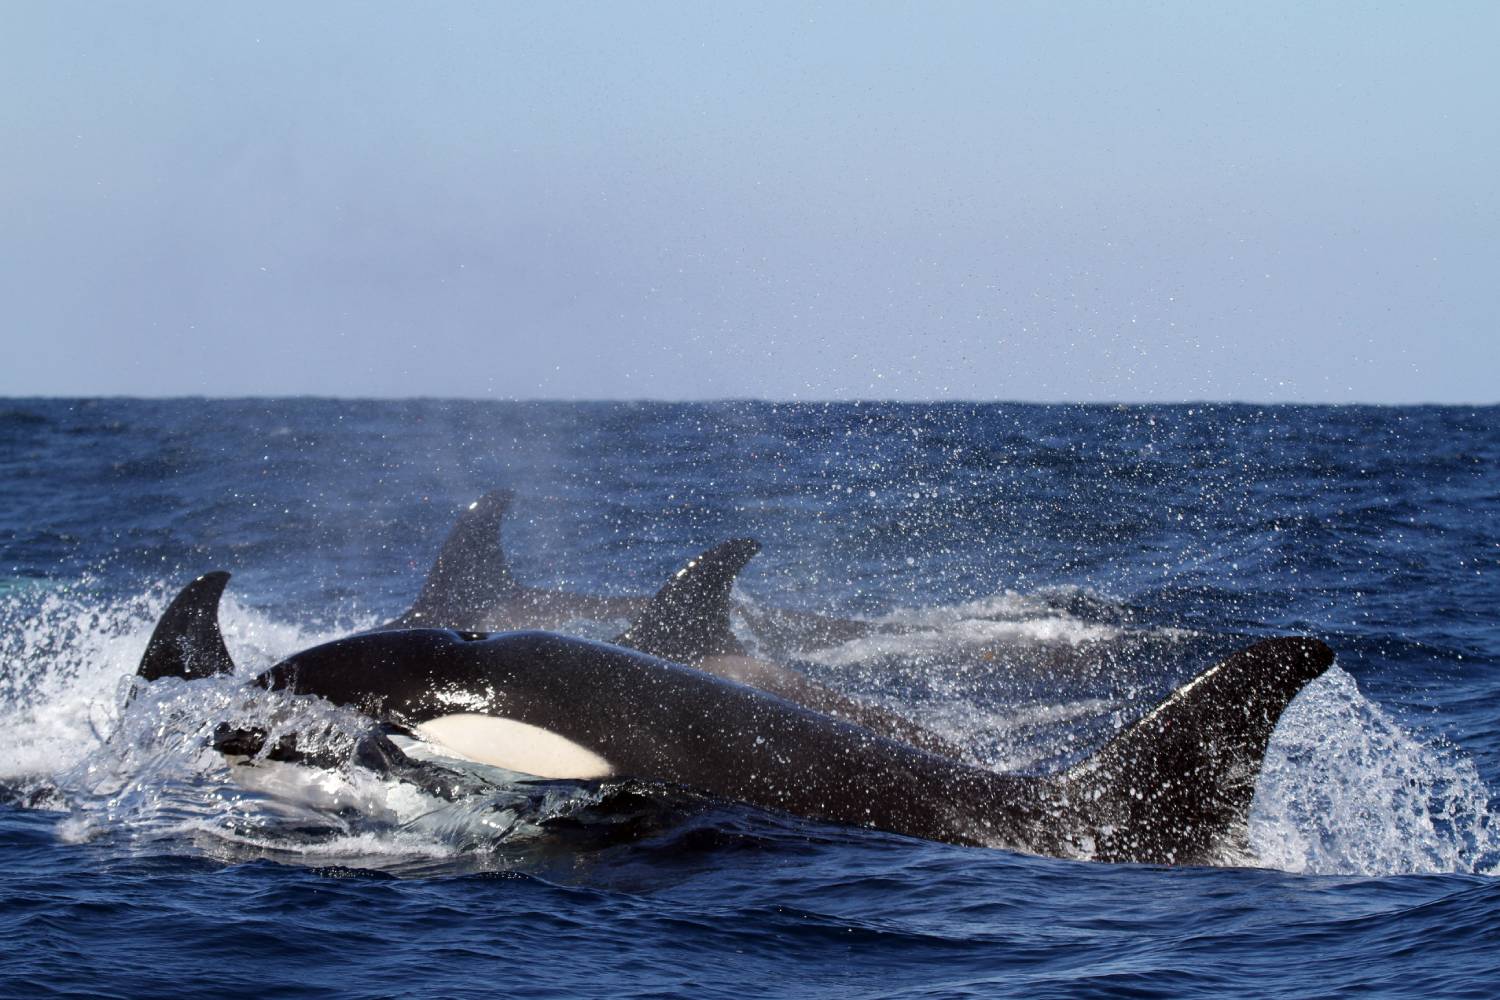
pixel 1056 571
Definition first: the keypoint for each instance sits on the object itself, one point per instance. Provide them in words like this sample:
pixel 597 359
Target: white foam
pixel 1005 605
pixel 957 634
pixel 145 772
pixel 63 661
pixel 1345 789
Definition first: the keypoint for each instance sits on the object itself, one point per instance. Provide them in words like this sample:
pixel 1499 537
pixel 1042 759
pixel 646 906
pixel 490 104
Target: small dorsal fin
pixel 187 642
pixel 1179 781
pixel 688 619
pixel 470 575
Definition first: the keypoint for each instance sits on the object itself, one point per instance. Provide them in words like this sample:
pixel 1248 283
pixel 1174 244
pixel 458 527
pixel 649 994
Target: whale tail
pixel 1176 786
pixel 688 619
pixel 470 575
pixel 187 642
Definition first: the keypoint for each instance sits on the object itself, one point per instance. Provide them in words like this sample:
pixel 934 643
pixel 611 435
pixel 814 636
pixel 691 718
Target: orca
pixel 1173 788
pixel 688 621
pixel 471 588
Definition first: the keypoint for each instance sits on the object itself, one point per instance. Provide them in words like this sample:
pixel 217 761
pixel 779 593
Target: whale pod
pixel 1171 789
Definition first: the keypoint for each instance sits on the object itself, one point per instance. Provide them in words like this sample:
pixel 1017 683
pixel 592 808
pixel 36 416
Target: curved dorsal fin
pixel 1175 784
pixel 469 576
pixel 688 619
pixel 187 642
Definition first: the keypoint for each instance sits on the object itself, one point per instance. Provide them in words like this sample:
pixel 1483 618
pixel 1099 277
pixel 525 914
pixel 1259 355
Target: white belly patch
pixel 515 746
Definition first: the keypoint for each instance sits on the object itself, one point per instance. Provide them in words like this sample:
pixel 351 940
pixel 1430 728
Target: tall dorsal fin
pixel 187 642
pixel 1175 784
pixel 688 619
pixel 470 575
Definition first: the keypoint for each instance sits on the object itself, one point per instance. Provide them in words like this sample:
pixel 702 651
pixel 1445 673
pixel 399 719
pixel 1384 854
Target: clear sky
pixel 1085 201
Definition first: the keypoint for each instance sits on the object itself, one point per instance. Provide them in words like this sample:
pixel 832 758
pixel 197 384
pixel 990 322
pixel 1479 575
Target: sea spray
pixel 1346 789
pixel 65 653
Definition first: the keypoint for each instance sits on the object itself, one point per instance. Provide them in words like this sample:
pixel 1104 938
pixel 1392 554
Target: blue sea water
pixel 134 862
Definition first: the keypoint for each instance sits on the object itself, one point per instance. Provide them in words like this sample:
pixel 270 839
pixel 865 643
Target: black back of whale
pixel 1170 789
pixel 655 719
pixel 1173 788
pixel 471 589
pixel 688 621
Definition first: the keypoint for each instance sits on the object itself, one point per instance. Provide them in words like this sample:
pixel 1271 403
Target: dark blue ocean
pixel 1010 542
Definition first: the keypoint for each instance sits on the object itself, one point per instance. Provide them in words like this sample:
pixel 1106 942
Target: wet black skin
pixel 651 718
pixel 1173 788
pixel 1170 789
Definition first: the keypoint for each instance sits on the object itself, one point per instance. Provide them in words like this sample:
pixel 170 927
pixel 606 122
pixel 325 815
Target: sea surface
pixel 1010 543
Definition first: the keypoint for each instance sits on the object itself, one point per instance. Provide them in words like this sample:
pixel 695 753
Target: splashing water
pixel 64 657
pixel 1345 789
pixel 133 764
pixel 1373 528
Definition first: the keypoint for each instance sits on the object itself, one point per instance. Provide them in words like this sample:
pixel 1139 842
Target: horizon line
pixel 725 400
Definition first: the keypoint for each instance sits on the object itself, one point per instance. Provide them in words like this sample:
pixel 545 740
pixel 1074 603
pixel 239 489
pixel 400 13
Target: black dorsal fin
pixel 1178 783
pixel 470 575
pixel 688 619
pixel 187 642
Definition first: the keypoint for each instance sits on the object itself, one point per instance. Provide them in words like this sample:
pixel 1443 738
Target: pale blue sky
pixel 989 201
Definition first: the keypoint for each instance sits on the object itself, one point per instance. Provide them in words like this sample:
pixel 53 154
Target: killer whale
pixel 688 621
pixel 1173 788
pixel 471 587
